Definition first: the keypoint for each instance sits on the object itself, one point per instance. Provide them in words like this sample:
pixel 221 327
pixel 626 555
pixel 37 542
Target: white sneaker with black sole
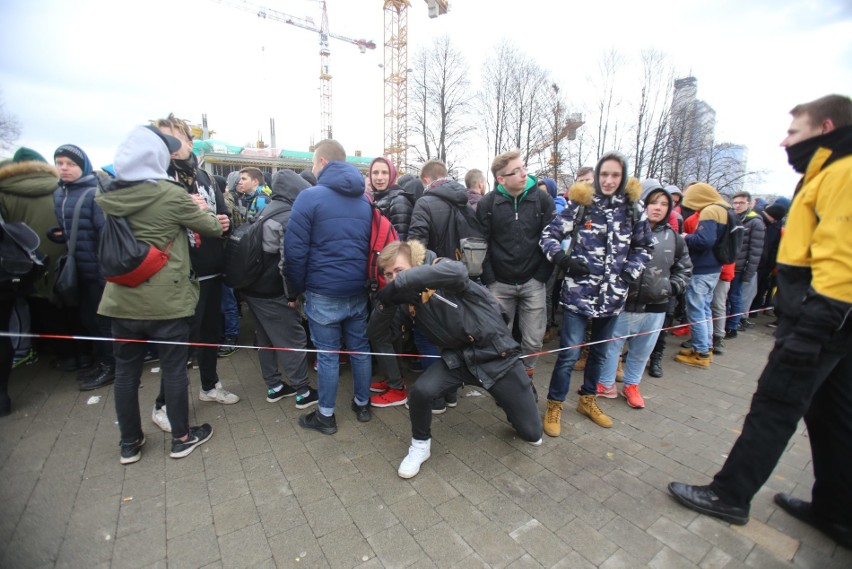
pixel 196 436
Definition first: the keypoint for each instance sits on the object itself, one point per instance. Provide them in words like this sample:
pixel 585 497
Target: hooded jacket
pixel 814 257
pixel 286 186
pixel 89 227
pixel 26 194
pixel 712 222
pixel 748 257
pixel 512 226
pixel 611 246
pixel 437 215
pixel 667 272
pixel 473 335
pixel 328 235
pixel 159 212
pixel 558 201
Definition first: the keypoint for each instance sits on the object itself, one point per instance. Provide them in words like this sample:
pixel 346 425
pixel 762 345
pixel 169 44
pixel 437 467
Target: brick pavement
pixel 265 493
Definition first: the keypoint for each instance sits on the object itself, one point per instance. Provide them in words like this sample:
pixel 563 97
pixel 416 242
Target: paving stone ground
pixel 264 493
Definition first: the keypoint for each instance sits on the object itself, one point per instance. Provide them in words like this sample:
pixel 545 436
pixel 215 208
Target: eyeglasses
pixel 514 172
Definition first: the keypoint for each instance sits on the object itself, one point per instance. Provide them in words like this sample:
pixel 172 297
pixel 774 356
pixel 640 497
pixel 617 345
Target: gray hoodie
pixel 142 156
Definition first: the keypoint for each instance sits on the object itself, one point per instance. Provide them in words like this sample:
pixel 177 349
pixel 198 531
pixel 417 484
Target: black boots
pixel 655 368
pixel 105 376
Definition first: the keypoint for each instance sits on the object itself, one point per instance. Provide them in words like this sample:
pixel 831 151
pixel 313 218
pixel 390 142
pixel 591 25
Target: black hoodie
pixel 442 217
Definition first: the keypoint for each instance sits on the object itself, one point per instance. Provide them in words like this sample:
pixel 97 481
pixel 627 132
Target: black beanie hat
pixel 74 153
pixel 777 211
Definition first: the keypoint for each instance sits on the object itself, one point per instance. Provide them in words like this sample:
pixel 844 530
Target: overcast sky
pixel 85 72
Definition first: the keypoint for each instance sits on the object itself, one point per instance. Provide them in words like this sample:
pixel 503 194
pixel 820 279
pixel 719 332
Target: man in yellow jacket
pixel 809 373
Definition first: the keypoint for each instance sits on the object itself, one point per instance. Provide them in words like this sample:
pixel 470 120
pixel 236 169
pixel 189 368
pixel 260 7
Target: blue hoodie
pixel 558 200
pixel 328 236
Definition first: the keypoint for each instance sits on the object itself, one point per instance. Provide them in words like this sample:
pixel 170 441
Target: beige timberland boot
pixel 588 406
pixel 551 418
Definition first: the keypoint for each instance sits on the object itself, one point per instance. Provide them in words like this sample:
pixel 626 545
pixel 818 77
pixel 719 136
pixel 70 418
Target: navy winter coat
pixel 328 235
pixel 88 229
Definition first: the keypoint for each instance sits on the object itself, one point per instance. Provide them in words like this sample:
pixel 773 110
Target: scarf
pixel 799 155
pixel 185 172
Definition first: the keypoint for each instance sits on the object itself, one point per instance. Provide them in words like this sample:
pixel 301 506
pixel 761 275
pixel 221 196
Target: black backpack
pixel 21 263
pixel 244 254
pixel 728 246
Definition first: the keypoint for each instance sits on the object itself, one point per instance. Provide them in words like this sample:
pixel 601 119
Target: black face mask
pixel 799 155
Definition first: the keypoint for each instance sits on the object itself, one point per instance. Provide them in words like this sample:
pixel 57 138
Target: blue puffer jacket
pixel 328 235
pixel 88 229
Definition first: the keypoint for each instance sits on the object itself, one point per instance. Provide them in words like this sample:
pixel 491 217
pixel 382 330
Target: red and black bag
pixel 382 232
pixel 124 259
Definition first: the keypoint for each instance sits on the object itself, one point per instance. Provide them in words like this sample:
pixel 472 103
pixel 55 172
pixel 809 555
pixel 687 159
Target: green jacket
pixel 159 212
pixel 26 194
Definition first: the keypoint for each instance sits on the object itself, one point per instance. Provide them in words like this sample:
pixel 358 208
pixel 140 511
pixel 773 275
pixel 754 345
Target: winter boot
pixel 588 406
pixel 656 368
pixel 551 418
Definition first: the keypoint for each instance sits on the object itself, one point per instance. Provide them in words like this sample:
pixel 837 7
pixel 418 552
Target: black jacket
pixel 396 205
pixel 514 255
pixel 665 276
pixel 442 217
pixel 749 255
pixel 473 334
pixel 206 254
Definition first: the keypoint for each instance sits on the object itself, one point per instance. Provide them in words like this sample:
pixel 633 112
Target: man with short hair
pixel 515 269
pixel 809 372
pixel 326 250
pixel 585 174
pixel 474 181
pixel 748 259
pixel 603 244
pixel 252 193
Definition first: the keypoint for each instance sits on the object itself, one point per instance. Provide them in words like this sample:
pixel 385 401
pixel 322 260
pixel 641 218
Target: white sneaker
pixel 535 443
pixel 219 394
pixel 161 419
pixel 418 453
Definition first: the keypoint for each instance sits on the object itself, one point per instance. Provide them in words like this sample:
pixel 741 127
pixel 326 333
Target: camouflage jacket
pixel 612 248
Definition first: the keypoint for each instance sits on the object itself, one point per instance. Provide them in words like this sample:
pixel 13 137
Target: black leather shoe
pixel 803 511
pixel 362 412
pixel 656 368
pixel 104 378
pixel 703 500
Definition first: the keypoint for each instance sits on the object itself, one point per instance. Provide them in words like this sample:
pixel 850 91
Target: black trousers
pixel 785 394
pixel 513 392
pixel 174 381
pixel 95 324
pixel 6 351
pixel 206 328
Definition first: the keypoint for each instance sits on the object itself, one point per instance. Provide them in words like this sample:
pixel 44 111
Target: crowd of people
pixel 623 259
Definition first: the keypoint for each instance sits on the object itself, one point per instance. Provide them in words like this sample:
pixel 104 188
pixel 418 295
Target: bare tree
pixel 652 113
pixel 10 128
pixel 443 100
pixel 495 97
pixel 609 101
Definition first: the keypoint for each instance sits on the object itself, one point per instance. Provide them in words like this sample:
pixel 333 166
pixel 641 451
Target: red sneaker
pixel 680 331
pixel 390 398
pixel 634 398
pixel 608 392
pixel 379 386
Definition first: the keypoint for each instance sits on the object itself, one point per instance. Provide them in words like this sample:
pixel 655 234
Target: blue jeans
pixel 330 319
pixel 699 298
pixel 425 347
pixel 574 333
pixel 735 299
pixel 639 348
pixel 231 312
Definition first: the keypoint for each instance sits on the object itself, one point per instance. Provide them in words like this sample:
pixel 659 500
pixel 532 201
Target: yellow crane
pixel 325 52
pixel 396 76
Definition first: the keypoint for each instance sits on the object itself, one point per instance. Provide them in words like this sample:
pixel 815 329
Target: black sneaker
pixel 362 412
pixel 197 436
pixel 286 391
pixel 131 452
pixel 439 406
pixel 319 422
pixel 228 347
pixel 415 366
pixel 150 357
pixel 105 377
pixel 731 334
pixel 773 324
pixel 305 401
pixel 451 399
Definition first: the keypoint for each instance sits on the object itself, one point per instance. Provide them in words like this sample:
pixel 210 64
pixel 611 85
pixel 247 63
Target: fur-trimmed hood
pixel 583 192
pixel 31 178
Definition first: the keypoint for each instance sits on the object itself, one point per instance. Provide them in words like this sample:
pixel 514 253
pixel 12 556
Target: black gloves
pixel 575 268
pixel 799 352
pixel 627 277
pixel 390 295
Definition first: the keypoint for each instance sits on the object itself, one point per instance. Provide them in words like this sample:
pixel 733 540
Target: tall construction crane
pixel 396 75
pixel 325 52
